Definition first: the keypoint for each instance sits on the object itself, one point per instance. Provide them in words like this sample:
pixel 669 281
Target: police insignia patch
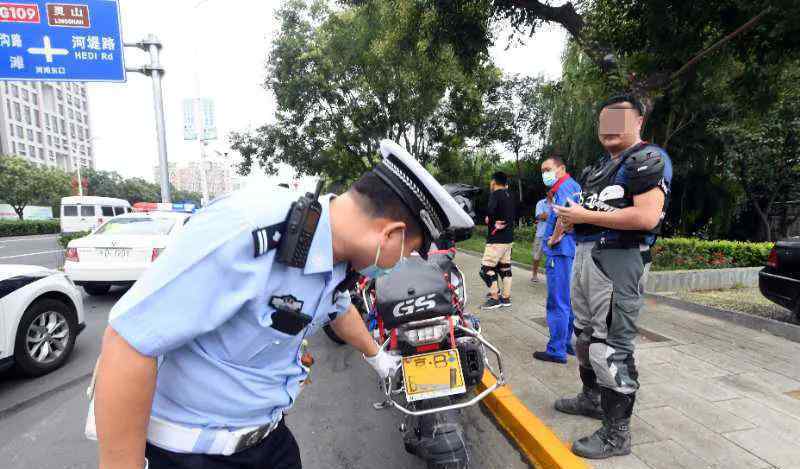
pixel 268 238
pixel 286 303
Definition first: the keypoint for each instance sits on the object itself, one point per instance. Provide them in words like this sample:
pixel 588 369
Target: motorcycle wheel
pixel 332 334
pixel 438 438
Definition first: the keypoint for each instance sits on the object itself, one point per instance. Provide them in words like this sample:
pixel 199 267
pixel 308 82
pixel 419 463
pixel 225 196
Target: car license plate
pixel 434 374
pixel 114 253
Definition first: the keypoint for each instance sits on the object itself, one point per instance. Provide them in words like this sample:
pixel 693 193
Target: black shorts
pixel 278 451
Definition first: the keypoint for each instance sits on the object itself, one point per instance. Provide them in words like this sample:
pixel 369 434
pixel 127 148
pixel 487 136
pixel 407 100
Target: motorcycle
pixel 420 315
pixel 462 193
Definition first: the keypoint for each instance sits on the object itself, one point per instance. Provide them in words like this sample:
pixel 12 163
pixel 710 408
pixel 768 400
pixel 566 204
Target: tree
pixel 644 46
pixel 23 184
pixel 518 115
pixel 763 154
pixel 344 80
pixel 103 183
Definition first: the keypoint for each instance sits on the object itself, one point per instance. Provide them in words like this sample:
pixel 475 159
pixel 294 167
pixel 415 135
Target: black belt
pixel 604 243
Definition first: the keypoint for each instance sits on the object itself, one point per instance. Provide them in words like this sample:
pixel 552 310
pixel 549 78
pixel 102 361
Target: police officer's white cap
pixel 436 210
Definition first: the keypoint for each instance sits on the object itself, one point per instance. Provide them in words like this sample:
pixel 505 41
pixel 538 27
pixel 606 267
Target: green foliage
pixel 343 80
pixel 692 253
pixel 23 184
pixel 112 184
pixel 28 227
pixel 668 253
pixel 65 238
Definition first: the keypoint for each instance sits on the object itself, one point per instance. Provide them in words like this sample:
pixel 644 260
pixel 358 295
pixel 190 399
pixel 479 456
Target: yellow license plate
pixel 434 374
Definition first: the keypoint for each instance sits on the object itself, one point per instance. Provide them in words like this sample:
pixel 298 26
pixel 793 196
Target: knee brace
pixel 614 370
pixel 488 275
pixel 505 270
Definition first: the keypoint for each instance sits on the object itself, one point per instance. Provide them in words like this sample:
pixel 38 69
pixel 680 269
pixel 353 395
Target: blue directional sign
pixel 76 41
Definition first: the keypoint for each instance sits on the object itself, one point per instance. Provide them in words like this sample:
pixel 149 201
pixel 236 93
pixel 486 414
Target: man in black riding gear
pixel 623 204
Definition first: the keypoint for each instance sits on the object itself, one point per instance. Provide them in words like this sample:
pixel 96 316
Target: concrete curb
pixel 536 440
pixel 778 328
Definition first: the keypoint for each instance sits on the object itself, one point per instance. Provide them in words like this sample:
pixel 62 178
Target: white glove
pixel 384 363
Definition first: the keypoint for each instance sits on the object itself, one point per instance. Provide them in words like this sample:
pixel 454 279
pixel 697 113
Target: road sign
pixel 199 120
pixel 209 131
pixel 189 124
pixel 76 41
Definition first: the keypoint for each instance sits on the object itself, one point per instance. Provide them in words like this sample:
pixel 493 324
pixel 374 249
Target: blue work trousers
pixel 559 308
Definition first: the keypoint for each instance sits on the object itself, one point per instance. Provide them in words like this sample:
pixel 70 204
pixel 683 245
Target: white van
pixel 88 212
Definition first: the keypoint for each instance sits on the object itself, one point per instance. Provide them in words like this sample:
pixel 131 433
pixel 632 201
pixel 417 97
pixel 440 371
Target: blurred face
pixel 619 127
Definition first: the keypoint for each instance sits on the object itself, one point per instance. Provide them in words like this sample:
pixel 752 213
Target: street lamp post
pixel 152 45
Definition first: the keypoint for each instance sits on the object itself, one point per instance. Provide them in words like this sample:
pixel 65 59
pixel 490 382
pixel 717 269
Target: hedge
pixel 28 227
pixel 65 238
pixel 668 253
pixel 692 253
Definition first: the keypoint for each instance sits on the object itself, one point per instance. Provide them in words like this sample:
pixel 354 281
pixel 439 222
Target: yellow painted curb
pixel 539 444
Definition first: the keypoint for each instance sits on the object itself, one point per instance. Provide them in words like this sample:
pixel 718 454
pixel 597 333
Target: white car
pixel 121 249
pixel 41 315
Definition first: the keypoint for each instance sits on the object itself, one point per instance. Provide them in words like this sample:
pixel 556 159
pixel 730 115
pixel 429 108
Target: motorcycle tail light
pixel 425 335
pixel 72 255
pixel 772 260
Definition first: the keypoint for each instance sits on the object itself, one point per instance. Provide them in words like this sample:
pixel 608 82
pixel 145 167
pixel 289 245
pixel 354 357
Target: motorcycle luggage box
pixel 414 291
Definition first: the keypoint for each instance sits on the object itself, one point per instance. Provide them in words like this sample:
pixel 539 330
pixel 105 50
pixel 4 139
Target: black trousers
pixel 278 451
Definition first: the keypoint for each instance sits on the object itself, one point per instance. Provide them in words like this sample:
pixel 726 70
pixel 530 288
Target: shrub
pixel 691 253
pixel 28 227
pixel 65 238
pixel 668 253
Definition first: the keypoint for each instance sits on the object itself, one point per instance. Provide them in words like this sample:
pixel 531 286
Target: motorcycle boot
pixel 614 437
pixel 587 402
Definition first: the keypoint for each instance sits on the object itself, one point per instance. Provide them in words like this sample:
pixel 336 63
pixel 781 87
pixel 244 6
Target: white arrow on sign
pixel 47 51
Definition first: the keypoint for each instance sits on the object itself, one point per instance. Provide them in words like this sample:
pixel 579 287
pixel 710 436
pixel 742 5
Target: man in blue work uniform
pixel 623 203
pixel 202 356
pixel 559 247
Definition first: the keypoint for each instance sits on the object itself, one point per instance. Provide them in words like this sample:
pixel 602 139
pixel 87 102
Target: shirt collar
pixel 320 255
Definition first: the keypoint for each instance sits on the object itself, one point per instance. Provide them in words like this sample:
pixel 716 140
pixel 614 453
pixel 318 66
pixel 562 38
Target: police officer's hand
pixel 573 214
pixel 384 363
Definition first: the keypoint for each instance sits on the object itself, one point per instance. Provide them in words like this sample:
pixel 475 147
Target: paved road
pixel 37 250
pixel 41 420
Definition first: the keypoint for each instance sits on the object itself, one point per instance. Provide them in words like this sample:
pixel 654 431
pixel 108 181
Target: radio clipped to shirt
pixel 301 224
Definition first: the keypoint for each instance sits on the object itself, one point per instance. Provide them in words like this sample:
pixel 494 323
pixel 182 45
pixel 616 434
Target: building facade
pixel 186 176
pixel 46 123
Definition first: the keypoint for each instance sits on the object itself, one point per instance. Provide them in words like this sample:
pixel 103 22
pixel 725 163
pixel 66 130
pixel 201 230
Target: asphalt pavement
pixel 41 420
pixel 36 250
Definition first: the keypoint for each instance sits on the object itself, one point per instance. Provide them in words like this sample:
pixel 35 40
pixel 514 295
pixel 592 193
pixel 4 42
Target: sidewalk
pixel 713 395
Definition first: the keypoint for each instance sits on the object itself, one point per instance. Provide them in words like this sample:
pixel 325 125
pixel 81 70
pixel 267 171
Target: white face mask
pixel 374 271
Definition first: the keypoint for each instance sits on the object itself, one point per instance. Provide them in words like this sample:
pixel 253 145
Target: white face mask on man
pixel 374 271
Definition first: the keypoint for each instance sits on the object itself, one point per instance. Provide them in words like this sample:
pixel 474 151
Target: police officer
pixel 202 356
pixel 623 203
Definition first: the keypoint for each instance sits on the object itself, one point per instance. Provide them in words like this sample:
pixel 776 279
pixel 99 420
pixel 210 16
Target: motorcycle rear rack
pixel 499 377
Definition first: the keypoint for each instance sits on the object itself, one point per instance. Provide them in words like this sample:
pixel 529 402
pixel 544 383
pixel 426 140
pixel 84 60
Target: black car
pixel 780 279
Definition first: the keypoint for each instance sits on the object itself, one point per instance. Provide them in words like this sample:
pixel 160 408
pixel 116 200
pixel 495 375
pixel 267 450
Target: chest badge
pixel 286 303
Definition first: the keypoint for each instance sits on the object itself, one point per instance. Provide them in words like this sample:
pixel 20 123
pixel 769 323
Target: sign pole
pixel 154 70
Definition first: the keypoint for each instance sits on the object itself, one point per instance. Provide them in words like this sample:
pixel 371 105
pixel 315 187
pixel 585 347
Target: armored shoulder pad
pixel 644 170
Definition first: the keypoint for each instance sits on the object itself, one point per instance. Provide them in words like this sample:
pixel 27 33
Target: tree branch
pixel 565 15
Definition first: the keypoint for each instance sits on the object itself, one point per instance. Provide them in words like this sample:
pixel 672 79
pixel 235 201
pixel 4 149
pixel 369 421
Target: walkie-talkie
pixel 301 224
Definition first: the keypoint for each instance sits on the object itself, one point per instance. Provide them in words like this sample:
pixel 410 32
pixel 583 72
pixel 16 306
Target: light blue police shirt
pixel 541 207
pixel 204 309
